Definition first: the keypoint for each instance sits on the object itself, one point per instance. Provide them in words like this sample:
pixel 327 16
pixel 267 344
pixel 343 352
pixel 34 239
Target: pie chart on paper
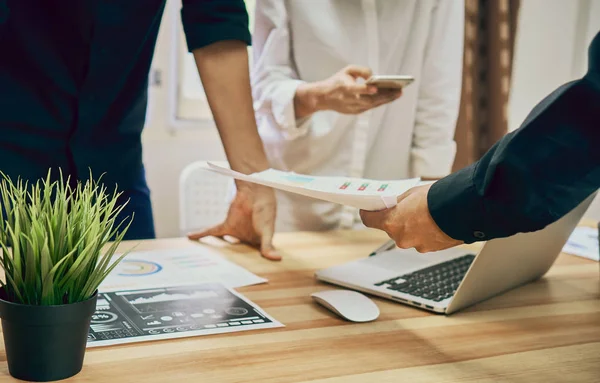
pixel 137 268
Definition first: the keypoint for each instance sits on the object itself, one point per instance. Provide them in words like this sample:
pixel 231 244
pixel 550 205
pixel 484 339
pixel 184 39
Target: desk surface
pixel 548 331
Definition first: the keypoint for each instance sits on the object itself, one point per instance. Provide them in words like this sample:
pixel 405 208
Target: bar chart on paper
pixel 360 193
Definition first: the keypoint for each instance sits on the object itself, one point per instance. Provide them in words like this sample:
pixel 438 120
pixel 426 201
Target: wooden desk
pixel 548 331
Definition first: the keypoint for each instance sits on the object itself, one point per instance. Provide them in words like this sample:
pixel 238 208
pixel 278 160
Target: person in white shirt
pixel 315 114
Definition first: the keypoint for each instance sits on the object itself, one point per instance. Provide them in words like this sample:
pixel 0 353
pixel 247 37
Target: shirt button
pixel 479 234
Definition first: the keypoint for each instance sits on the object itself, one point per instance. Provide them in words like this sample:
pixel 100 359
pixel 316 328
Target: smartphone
pixel 390 82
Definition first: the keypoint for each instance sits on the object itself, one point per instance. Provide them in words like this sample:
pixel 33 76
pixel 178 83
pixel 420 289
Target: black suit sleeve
pixel 209 21
pixel 534 175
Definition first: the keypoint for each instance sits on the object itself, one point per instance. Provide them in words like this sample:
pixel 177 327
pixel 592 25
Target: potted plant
pixel 56 250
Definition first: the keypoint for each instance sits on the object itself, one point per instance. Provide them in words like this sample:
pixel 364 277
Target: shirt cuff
pixel 457 208
pixel 205 23
pixel 433 162
pixel 282 107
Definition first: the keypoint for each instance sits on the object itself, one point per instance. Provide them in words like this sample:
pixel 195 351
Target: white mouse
pixel 350 305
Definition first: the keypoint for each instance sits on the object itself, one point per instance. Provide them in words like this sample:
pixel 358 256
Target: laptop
pixel 449 280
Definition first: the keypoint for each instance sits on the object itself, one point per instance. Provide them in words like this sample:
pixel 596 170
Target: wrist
pixel 249 165
pixel 247 156
pixel 307 100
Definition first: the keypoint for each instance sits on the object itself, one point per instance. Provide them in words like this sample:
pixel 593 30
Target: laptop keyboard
pixel 435 283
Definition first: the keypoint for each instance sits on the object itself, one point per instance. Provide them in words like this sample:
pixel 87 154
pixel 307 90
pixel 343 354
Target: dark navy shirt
pixel 73 79
pixel 534 175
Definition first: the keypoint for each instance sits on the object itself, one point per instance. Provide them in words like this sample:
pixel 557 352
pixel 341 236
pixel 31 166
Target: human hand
pixel 250 219
pixel 342 93
pixel 410 224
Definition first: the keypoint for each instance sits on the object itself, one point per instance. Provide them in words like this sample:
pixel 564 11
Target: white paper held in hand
pixel 365 194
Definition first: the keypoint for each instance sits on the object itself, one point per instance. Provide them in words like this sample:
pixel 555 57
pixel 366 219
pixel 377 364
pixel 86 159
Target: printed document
pixel 583 242
pixel 174 267
pixel 139 315
pixel 360 193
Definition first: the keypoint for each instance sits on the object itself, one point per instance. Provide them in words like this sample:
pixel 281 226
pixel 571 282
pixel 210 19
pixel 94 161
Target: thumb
pixel 373 219
pixel 265 227
pixel 266 245
pixel 358 71
pixel 215 231
pixel 354 88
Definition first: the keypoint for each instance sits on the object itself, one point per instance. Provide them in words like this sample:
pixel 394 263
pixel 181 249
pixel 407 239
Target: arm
pixel 217 34
pixel 274 79
pixel 438 103
pixel 223 67
pixel 528 180
pixel 286 102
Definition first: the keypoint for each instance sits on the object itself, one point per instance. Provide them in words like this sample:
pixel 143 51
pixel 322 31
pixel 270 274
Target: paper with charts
pixel 190 265
pixel 583 242
pixel 139 315
pixel 360 193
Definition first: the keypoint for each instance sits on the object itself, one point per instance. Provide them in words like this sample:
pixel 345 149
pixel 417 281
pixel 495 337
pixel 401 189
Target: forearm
pixel 224 71
pixel 531 177
pixel 306 100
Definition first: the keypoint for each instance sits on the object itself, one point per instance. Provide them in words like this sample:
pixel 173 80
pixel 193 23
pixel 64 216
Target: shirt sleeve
pixel 433 147
pixel 274 78
pixel 208 21
pixel 530 178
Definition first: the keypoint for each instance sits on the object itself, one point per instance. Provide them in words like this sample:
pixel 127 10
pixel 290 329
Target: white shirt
pixel 309 40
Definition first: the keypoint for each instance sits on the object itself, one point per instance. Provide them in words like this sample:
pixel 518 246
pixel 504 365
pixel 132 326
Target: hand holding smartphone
pixel 390 81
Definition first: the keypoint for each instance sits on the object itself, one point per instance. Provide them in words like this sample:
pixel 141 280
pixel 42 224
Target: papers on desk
pixel 173 312
pixel 583 242
pixel 356 192
pixel 165 294
pixel 163 268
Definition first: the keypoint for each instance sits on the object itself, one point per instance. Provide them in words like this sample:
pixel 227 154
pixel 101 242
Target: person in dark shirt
pixel 73 96
pixel 529 179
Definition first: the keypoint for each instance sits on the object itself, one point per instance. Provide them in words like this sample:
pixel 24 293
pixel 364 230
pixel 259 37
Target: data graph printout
pixel 583 242
pixel 359 193
pixel 173 312
pixel 176 267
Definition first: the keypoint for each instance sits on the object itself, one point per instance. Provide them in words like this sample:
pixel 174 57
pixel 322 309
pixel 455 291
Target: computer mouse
pixel 350 305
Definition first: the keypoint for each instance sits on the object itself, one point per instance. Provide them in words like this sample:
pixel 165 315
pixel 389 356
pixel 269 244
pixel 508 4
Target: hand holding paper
pixel 410 224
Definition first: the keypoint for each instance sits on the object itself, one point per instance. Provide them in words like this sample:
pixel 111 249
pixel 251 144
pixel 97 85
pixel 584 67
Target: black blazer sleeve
pixel 534 175
pixel 209 21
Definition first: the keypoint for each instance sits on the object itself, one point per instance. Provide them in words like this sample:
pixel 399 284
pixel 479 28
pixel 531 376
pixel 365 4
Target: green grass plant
pixel 57 241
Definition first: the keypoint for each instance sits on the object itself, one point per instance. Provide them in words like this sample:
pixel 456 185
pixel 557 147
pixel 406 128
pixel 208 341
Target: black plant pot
pixel 45 343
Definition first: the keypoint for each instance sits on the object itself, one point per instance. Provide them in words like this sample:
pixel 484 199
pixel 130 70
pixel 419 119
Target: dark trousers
pixel 139 207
